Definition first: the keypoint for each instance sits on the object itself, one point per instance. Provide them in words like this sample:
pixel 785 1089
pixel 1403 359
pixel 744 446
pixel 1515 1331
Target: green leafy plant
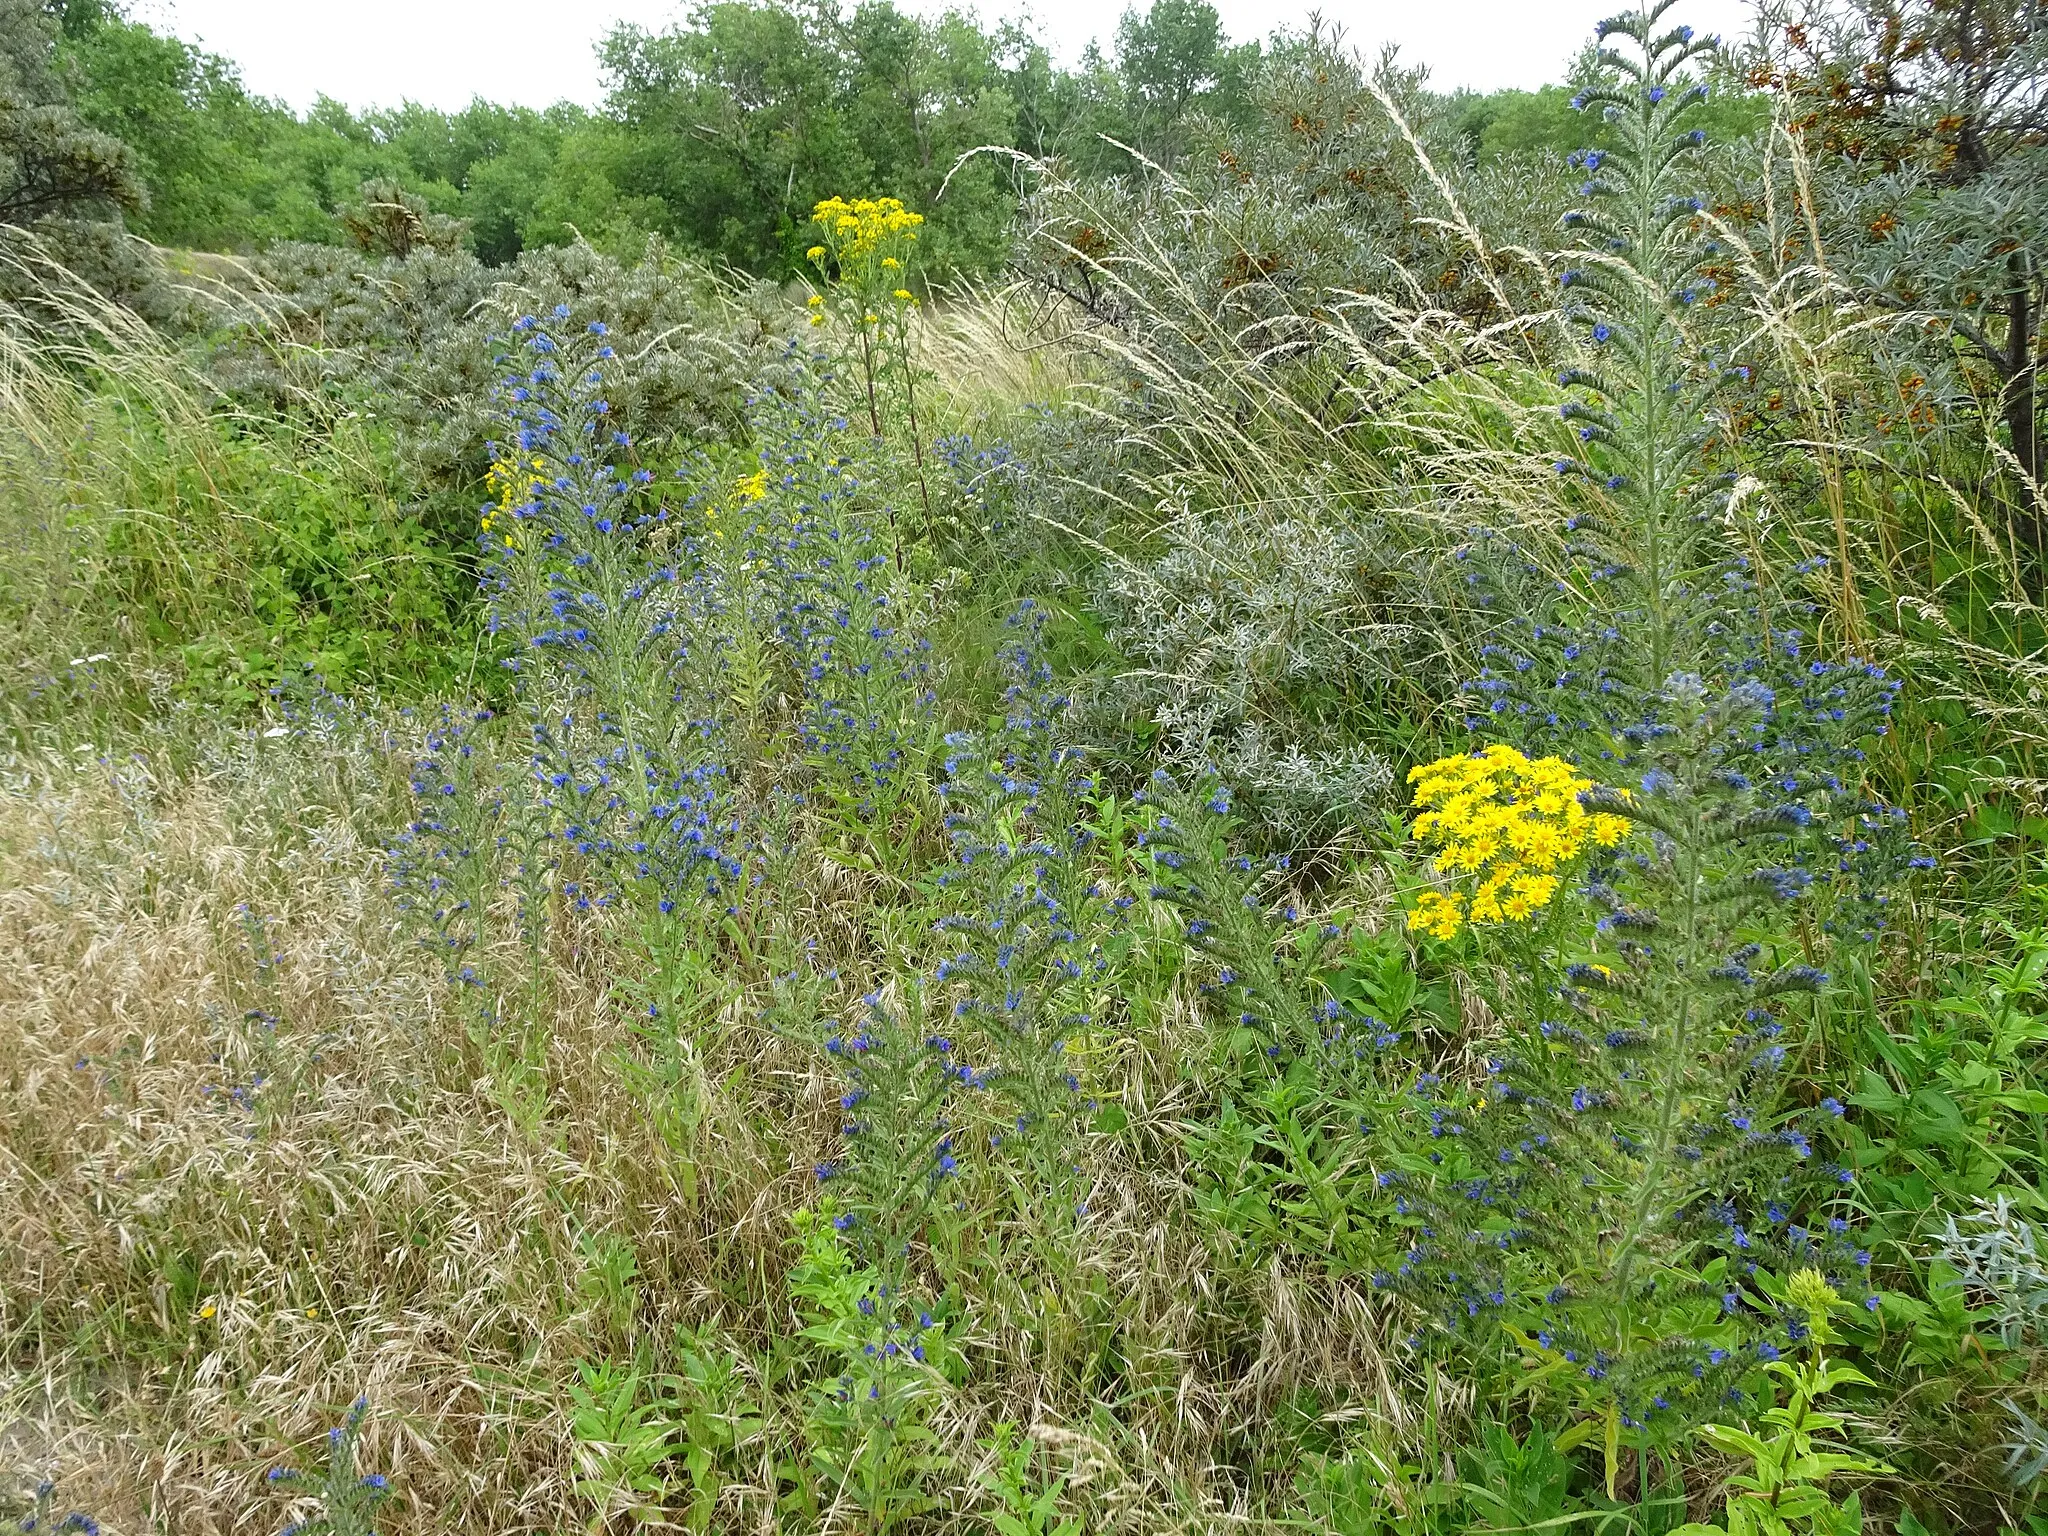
pixel 1029 1505
pixel 1798 1451
pixel 719 1420
pixel 624 1435
pixel 871 1439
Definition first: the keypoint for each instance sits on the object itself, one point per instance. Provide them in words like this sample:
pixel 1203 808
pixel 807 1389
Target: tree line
pixel 719 132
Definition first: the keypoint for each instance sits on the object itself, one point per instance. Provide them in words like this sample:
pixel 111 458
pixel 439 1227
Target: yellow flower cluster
pixel 863 253
pixel 855 229
pixel 746 490
pixel 1509 822
pixel 511 484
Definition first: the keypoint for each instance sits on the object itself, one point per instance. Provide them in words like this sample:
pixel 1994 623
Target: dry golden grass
pixel 220 1282
pixel 191 1289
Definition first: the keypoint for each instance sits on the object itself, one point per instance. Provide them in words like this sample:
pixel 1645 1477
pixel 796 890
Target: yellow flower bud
pixel 1811 1294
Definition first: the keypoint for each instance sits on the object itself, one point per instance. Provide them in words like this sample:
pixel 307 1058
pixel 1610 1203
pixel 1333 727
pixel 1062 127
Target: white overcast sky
pixel 533 52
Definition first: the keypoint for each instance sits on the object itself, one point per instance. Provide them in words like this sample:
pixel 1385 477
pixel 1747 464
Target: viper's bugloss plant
pixel 44 1521
pixel 1304 1070
pixel 569 577
pixel 865 676
pixel 1624 1186
pixel 344 1494
pixel 899 1152
pixel 606 629
pixel 480 842
pixel 1263 957
pixel 1628 1182
pixel 1664 592
pixel 443 868
pixel 898 1161
pixel 1033 927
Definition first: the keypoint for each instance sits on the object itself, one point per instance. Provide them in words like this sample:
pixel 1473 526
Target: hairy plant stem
pixel 1671 1091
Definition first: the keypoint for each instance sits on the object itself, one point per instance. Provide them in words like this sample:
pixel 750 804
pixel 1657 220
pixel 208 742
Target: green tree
pixel 217 163
pixel 1171 61
pixel 520 177
pixel 52 163
pixel 733 126
pixel 918 95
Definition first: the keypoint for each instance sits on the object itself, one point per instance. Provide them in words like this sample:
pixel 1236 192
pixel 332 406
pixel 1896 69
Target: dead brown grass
pixel 192 1288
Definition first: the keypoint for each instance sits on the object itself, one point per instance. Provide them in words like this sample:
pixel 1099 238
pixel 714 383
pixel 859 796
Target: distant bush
pixel 414 335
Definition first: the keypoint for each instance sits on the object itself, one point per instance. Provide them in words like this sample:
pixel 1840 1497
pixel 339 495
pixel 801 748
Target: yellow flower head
pixel 815 253
pixel 864 234
pixel 1438 914
pixel 750 487
pixel 815 300
pixel 903 294
pixel 1509 822
pixel 511 483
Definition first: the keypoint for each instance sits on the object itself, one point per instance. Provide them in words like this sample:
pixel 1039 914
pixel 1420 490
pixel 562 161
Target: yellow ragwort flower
pixel 1509 822
pixel 750 487
pixel 859 229
pixel 511 484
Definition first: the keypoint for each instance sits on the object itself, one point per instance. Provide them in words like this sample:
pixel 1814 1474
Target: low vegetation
pixel 1350 838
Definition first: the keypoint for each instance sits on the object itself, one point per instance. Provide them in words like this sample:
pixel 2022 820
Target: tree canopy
pixel 719 132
